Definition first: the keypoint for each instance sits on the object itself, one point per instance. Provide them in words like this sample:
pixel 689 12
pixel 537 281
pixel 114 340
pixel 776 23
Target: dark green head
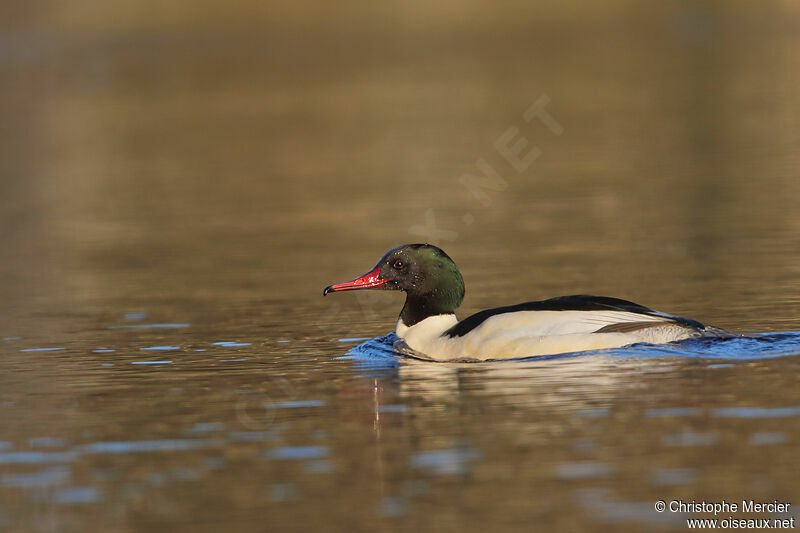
pixel 430 279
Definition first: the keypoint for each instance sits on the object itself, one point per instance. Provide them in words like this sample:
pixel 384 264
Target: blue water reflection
pixel 36 457
pixel 176 325
pixel 446 461
pixel 77 495
pixel 297 453
pixel 671 412
pixel 45 478
pixel 757 412
pixel 160 348
pixel 296 404
pixel 231 344
pixel 47 442
pixel 122 447
pixel 584 470
pixel 321 466
pixel 673 476
pixel 767 438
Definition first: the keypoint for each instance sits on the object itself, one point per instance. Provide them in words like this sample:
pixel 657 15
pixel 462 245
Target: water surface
pixel 180 184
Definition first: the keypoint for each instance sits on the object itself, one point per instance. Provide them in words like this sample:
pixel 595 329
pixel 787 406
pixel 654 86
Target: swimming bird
pixel 428 328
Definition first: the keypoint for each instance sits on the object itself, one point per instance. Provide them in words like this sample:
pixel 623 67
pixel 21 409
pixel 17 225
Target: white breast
pixel 530 333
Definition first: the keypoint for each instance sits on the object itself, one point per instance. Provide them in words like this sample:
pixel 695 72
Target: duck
pixel 427 327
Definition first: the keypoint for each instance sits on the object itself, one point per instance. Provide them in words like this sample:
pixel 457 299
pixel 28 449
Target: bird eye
pixel 398 265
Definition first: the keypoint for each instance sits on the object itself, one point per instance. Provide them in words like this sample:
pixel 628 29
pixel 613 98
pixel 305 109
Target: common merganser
pixel 428 327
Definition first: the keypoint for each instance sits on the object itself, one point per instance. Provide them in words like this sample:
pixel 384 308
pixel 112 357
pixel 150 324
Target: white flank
pixel 530 333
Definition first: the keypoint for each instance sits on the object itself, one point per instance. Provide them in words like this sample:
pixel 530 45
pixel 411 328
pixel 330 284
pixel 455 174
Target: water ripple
pixel 152 326
pixel 35 457
pixel 297 453
pixel 671 412
pixel 144 446
pixel 296 404
pixel 45 478
pixel 77 495
pixel 584 470
pixel 446 461
pixel 378 353
pixel 229 344
pixel 757 412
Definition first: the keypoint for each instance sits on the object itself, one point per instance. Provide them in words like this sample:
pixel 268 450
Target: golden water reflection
pixel 216 167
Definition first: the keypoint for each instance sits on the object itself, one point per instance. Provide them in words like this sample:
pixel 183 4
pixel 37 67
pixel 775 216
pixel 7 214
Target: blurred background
pixel 216 166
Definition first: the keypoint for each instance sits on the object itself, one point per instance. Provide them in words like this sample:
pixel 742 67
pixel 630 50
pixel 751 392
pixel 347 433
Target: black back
pixel 576 302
